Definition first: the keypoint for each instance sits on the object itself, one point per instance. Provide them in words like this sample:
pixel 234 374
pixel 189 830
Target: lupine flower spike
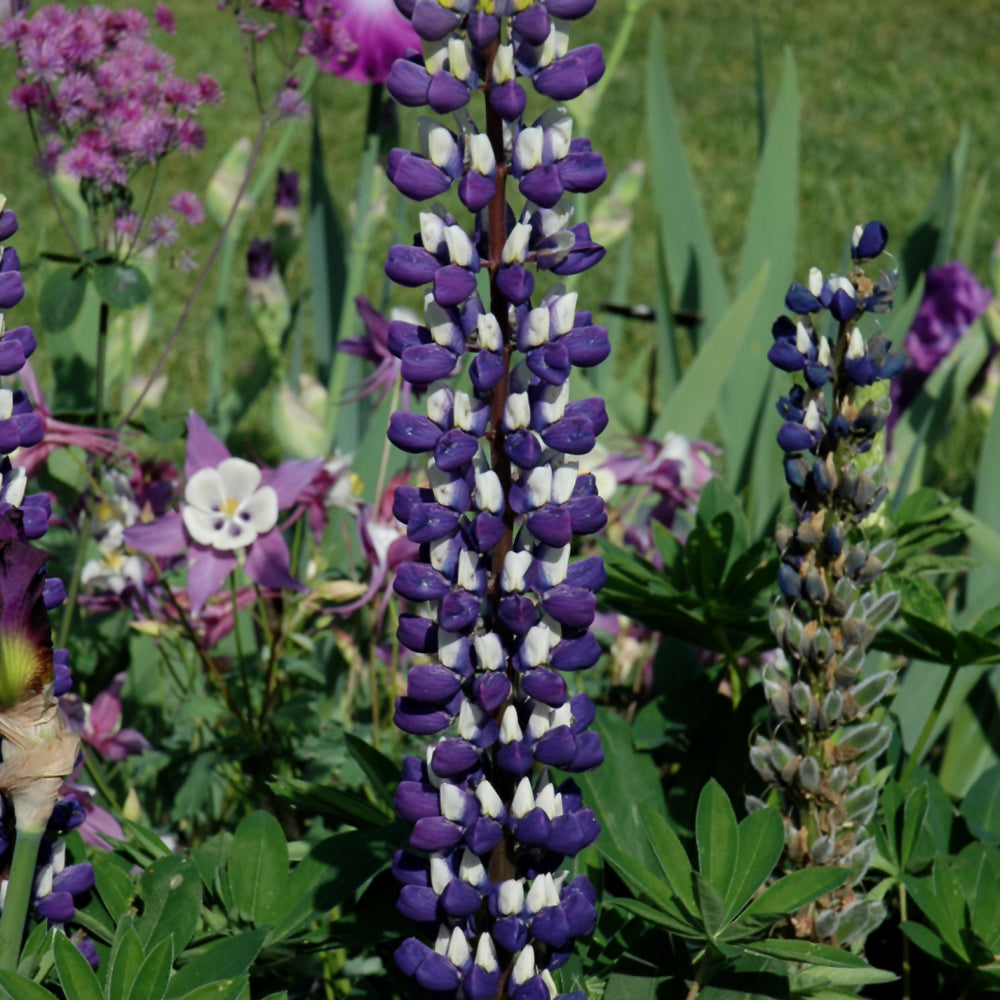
pixel 825 732
pixel 500 610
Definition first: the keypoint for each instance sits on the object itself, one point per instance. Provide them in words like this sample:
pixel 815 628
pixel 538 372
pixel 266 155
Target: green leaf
pixel 126 958
pixel 692 263
pixel 320 799
pixel 673 920
pixel 147 840
pixel 717 837
pixel 120 286
pixel 620 787
pixel 379 769
pixel 61 298
pixel 671 856
pixel 926 940
pixel 914 815
pixel 16 987
pixel 761 838
pixel 644 882
pixel 222 962
pixel 981 806
pixel 170 890
pixel 793 891
pixel 229 989
pixel 697 395
pixel 76 976
pixel 114 885
pixel 154 973
pixel 711 905
pixel 807 951
pixel 258 867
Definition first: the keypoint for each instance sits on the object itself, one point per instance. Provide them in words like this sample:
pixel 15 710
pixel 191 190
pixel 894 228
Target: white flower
pixel 226 507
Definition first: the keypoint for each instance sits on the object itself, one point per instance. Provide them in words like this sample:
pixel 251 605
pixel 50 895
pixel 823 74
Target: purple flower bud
pixel 8 224
pixel 587 573
pixel 53 592
pixel 413 432
pixel 415 177
pixel 453 285
pixel 11 288
pixel 432 21
pixel 794 437
pixel 551 927
pixel 515 758
pixel 511 933
pixel 543 185
pixel 436 973
pixel 56 906
pixel 486 531
pixel 427 363
pixel 583 172
pixel 408 82
pixel 569 10
pixel 588 515
pixel 518 613
pixel 545 686
pixel 435 833
pixel 550 362
pixel 523 449
pixel 577 653
pixel 431 683
pixel 557 748
pixel 460 899
pixel 572 832
pixel 446 93
pixel 491 690
pixel 411 266
pixel 418 582
pixel 534 829
pixel 476 191
pixel 508 100
pixel 486 371
pixel 483 835
pixel 458 611
pixel 532 24
pixel 870 242
pixel 482 29
pixel 800 300
pixel 480 984
pixel 551 525
pixel 418 718
pixel 589 753
pixel 454 449
pixel 415 799
pixel 454 757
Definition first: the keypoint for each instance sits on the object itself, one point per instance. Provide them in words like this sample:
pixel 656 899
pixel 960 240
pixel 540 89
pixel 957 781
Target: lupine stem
pixel 19 886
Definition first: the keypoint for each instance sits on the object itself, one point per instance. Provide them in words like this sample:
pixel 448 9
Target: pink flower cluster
pixel 103 98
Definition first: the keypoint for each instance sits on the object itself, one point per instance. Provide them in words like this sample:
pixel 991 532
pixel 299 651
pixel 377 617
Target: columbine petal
pixel 203 447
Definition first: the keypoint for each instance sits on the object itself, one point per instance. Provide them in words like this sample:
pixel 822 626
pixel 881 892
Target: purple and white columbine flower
pixel 229 516
pixel 499 609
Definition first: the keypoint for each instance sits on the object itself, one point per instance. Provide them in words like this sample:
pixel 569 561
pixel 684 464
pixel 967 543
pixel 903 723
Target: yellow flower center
pixel 229 506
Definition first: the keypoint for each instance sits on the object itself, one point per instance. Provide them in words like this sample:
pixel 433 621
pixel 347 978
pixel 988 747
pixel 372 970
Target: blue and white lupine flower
pixel 823 735
pixel 500 609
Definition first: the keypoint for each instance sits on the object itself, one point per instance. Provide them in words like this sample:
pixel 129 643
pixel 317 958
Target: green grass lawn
pixel 885 89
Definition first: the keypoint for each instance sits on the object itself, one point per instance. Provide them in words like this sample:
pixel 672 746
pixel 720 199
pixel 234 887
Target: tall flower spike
pixel 825 728
pixel 501 610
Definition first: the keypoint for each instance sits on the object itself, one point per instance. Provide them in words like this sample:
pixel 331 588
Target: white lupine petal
pixel 515 566
pixel 460 248
pixel 511 897
pixel 553 563
pixel 538 327
pixel 534 900
pixel 470 869
pixel 440 551
pixel 43 885
pixel 550 983
pixel 560 41
pixel 515 250
pixel 563 483
pixel 431 231
pixel 823 354
pixel 468 568
pixel 510 728
pixel 815 281
pixel 530 143
pixel 458 58
pixel 524 966
pixel 469 721
pixel 563 310
pixel 537 645
pixel 435 54
pixel 489 801
pixel 557 219
pixel 561 716
pixel 523 801
pixel 811 420
pixel 802 339
pixel 856 236
pixel 552 403
pixel 15 483
pixel 481 157
pixel 546 800
pixel 6 404
pixel 441 873
pixel 443 939
pixel 441 146
pixel 538 485
pixel 856 345
pixel 465 409
pixel 488 329
pixel 486 954
pixel 458 949
pixel 452 801
pixel 489 491
pixel 449 646
pixel 538 721
pixel 490 651
pixel 558 127
pixel 439 403
pixel 503 64
pixel 517 411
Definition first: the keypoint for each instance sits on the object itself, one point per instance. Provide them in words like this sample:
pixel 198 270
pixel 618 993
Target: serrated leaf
pixel 258 867
pixel 61 298
pixel 75 974
pixel 761 839
pixel 120 286
pixel 717 838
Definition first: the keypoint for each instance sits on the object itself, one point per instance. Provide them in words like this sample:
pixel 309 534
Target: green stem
pixel 19 886
pixel 101 784
pixel 925 733
pixel 240 657
pixel 699 976
pixel 357 261
pixel 906 970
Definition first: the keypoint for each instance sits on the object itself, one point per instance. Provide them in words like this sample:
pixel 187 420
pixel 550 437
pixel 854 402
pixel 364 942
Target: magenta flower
pixel 100 724
pixel 229 516
pixel 379 36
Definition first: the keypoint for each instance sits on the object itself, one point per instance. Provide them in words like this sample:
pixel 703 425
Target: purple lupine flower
pixel 230 510
pixel 953 300
pixel 499 610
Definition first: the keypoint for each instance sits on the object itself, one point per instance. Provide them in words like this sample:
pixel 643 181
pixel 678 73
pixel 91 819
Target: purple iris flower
pixel 229 515
pixel 953 300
